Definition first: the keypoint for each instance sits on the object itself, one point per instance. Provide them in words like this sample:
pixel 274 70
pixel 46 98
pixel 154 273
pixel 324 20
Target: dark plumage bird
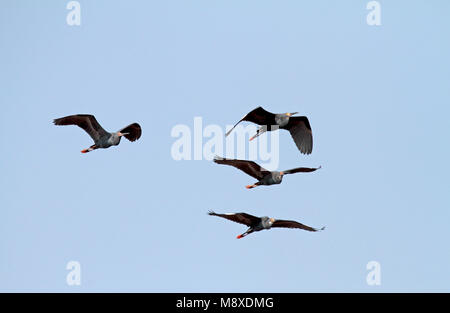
pixel 102 138
pixel 298 126
pixel 263 176
pixel 260 223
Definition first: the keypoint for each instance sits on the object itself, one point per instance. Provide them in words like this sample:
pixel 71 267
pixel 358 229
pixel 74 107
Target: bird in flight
pixel 298 126
pixel 102 138
pixel 260 223
pixel 263 176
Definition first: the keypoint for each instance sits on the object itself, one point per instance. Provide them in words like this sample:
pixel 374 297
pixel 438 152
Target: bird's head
pixel 271 220
pixel 117 138
pixel 277 177
pixel 290 114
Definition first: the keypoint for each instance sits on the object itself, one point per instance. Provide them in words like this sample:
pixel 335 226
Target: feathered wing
pixel 132 132
pixel 302 170
pixel 258 116
pixel 301 132
pixel 294 224
pixel 241 218
pixel 86 122
pixel 249 167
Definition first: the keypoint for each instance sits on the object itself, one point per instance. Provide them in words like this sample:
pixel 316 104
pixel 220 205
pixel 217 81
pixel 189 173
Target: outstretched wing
pixel 302 170
pixel 241 218
pixel 249 167
pixel 294 224
pixel 86 122
pixel 301 132
pixel 258 116
pixel 132 132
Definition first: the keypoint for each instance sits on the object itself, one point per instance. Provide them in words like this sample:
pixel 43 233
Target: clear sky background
pixel 377 98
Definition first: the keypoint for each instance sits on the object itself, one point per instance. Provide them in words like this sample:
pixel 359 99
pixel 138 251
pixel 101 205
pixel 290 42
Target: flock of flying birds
pixel 298 126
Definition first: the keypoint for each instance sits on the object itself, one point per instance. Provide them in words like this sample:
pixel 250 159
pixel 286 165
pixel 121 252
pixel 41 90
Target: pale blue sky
pixel 135 219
